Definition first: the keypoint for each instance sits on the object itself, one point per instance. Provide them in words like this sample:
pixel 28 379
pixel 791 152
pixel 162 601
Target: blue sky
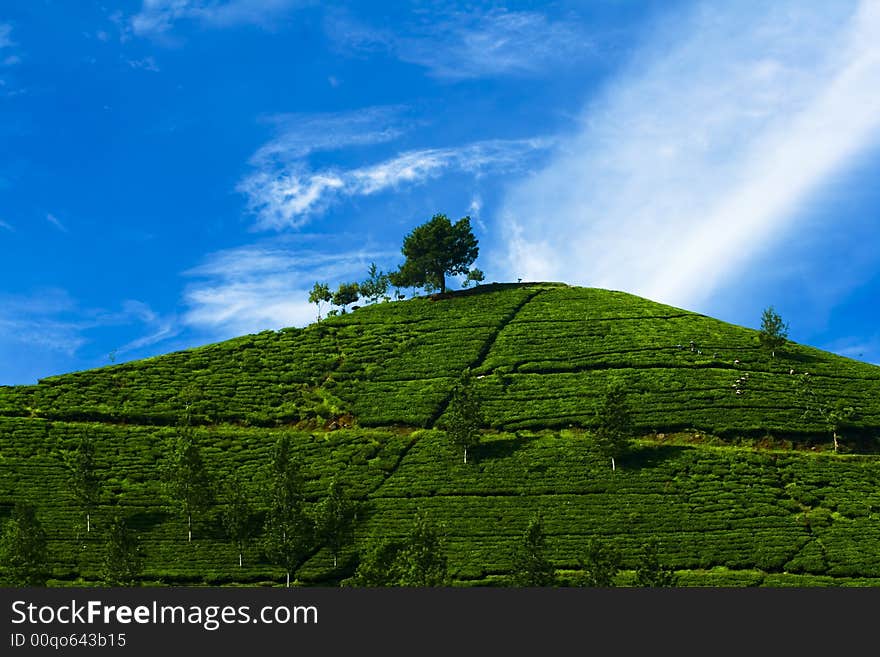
pixel 175 172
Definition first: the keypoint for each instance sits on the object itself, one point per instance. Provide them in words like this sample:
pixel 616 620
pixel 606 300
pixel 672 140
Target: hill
pixel 361 396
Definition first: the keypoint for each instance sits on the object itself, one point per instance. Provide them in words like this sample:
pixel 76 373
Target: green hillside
pixel 739 488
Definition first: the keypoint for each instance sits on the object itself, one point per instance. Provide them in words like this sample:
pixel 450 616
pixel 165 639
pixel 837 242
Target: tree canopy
pixel 435 249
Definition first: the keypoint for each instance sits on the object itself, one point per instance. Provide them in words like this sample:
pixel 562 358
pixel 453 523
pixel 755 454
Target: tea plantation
pixel 738 486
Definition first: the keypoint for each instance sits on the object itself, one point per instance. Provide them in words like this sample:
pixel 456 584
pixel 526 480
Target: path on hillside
pixel 479 360
pixel 481 355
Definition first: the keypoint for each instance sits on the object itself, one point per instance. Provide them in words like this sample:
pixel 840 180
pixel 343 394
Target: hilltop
pixel 362 396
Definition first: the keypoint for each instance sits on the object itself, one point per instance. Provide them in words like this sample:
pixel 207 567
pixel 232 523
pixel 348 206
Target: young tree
pixel 376 285
pixel 613 422
pixel 435 249
pixel 335 519
pixel 320 294
pixel 650 572
pixel 83 479
pixel 530 565
pixel 418 560
pixel 464 415
pixel 834 415
pixel 346 293
pixel 422 559
pixel 23 550
pixel 188 484
pixel 238 516
pixel 288 532
pixel 774 332
pixel 600 567
pixel 475 276
pixel 122 556
pixel 379 565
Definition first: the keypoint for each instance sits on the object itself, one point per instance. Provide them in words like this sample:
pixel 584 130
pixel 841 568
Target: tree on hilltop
pixel 475 276
pixel 320 294
pixel 435 249
pixel 774 332
pixel 376 284
pixel 346 293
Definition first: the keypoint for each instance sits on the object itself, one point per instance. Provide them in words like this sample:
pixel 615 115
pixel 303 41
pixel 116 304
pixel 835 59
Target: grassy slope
pixel 544 352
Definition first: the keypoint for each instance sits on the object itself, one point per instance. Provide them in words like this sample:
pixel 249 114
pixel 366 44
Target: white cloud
pixel 285 197
pixel 698 157
pixel 52 219
pixel 473 43
pixel 266 286
pixel 159 16
pixel 6 226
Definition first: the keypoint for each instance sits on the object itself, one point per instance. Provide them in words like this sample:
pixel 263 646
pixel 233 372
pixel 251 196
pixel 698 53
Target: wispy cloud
pixel 53 320
pixel 699 156
pixel 6 36
pixel 6 42
pixel 299 135
pixel 284 190
pixel 145 64
pixel 159 16
pixel 159 327
pixel 266 286
pixel 6 226
pixel 476 43
pixel 45 320
pixel 52 219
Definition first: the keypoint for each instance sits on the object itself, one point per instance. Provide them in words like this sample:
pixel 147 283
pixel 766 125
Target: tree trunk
pixel 442 283
pixel 613 468
pixel 836 444
pixel 88 522
pixel 239 559
pixel 189 527
pixel 335 560
pixel 465 455
pixel 288 579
